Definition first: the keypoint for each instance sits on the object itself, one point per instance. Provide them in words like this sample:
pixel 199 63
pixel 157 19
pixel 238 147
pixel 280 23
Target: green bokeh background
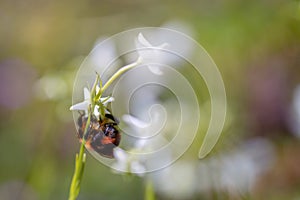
pixel 51 39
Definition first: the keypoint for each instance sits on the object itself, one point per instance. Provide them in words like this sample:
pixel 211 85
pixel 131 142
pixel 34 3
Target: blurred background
pixel 256 46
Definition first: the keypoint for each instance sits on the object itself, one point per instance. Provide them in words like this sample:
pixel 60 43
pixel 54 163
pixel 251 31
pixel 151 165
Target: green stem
pixel 77 177
pixel 149 191
pixel 79 164
pixel 81 158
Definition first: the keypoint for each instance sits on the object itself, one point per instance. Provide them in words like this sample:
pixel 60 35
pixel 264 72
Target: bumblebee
pixel 102 135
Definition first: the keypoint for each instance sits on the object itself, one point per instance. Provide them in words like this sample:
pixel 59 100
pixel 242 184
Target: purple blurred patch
pixel 16 80
pixel 267 94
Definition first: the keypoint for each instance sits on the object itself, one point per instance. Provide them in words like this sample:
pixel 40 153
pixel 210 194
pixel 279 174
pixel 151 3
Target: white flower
pixel 184 180
pixel 87 101
pixel 131 120
pixel 150 53
pixel 145 141
pixel 150 133
pixel 127 162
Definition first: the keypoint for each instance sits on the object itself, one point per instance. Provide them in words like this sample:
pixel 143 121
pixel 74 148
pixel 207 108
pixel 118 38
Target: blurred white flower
pixel 237 171
pixel 87 102
pixel 177 43
pixel 145 141
pixel 128 163
pixel 51 87
pixel 129 119
pixel 148 134
pixel 103 53
pixel 177 181
pixel 150 54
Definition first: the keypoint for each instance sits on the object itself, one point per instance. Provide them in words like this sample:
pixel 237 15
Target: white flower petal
pixel 143 40
pixel 163 46
pixel 152 54
pixel 137 168
pixel 96 111
pixel 127 163
pixel 141 143
pixel 80 106
pixel 120 155
pixel 87 94
pixel 155 69
pixel 134 121
pixel 110 99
